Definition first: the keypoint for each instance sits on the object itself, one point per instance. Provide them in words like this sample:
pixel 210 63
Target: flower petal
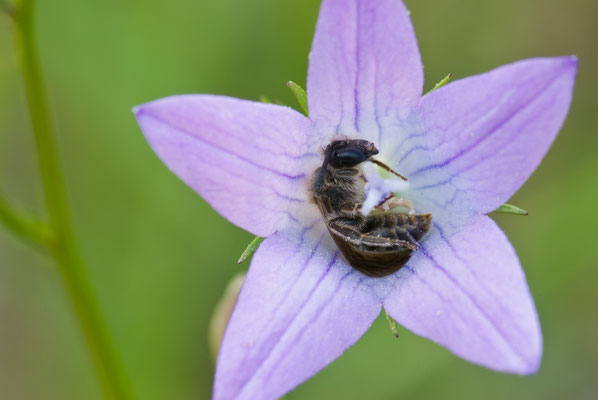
pixel 246 159
pixel 469 293
pixel 364 66
pixel 300 308
pixel 486 134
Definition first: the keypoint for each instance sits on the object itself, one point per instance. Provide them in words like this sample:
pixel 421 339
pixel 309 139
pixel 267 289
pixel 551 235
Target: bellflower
pixel 465 148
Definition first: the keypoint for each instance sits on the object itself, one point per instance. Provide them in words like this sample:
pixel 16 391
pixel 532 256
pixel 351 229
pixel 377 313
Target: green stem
pixel 25 227
pixel 63 248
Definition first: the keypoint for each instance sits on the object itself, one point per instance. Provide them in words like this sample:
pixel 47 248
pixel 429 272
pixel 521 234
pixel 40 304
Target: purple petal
pixel 469 293
pixel 300 308
pixel 364 66
pixel 246 159
pixel 486 134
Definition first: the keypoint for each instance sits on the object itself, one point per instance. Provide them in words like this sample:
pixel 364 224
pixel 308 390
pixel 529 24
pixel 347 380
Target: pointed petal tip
pixel 149 106
pixel 458 296
pixel 146 108
pixel 567 63
pixel 573 59
pixel 532 367
pixel 570 62
pixel 528 364
pixel 137 110
pixel 387 69
pixel 522 367
pixel 532 364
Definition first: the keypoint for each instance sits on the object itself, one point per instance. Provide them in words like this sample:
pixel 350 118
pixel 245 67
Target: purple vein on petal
pixel 297 277
pixel 224 150
pixel 293 319
pixel 473 301
pixel 412 150
pixel 246 178
pixel 439 295
pixel 535 97
pixel 472 272
pixel 273 190
pixel 357 66
pixel 317 314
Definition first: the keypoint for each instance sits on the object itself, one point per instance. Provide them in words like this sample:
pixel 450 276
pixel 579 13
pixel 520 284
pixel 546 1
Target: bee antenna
pixel 386 167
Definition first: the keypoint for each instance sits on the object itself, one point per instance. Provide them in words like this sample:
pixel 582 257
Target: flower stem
pixel 63 248
pixel 25 227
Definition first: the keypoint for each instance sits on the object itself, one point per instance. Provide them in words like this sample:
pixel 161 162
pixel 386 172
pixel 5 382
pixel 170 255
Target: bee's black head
pixel 349 153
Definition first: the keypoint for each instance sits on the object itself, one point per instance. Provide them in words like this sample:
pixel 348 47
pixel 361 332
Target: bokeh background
pixel 159 257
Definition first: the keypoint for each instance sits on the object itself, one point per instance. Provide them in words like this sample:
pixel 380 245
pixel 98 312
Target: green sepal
pixel 442 82
pixel 510 209
pixel 300 95
pixel 394 325
pixel 251 248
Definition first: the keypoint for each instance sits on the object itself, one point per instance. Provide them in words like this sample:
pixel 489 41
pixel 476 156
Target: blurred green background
pixel 159 257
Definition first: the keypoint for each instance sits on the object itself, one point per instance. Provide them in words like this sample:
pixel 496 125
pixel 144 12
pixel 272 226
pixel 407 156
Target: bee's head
pixel 349 153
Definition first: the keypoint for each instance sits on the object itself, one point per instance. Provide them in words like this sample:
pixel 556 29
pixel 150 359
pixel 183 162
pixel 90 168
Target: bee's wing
pixel 369 253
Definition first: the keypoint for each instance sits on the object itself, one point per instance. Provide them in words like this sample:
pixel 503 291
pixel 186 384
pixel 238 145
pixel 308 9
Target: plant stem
pixel 25 227
pixel 63 248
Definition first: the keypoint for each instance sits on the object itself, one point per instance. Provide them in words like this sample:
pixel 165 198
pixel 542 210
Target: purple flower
pixel 465 148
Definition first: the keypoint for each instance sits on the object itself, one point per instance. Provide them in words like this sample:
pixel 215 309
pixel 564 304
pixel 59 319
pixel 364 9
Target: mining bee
pixel 377 244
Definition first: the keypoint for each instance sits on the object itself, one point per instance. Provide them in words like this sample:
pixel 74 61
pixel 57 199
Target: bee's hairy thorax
pixel 341 190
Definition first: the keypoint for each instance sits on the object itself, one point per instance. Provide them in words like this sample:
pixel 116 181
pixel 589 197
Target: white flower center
pixel 378 188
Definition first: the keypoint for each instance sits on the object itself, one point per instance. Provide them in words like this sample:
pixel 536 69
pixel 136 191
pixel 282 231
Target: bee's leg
pixel 405 203
pixel 392 201
pixel 381 204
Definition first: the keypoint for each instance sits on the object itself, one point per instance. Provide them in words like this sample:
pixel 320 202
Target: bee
pixel 377 244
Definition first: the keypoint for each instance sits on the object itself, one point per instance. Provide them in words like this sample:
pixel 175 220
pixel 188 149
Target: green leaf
pixel 394 325
pixel 300 95
pixel 251 248
pixel 510 209
pixel 443 82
